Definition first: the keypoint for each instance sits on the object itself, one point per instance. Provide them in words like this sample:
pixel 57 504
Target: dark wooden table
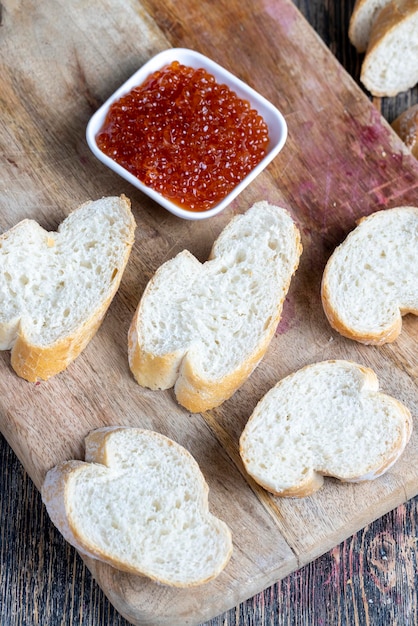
pixel 370 579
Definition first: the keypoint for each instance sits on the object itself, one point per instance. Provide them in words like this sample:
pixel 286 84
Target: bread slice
pixel 371 279
pixel 390 65
pixel 140 504
pixel 55 287
pixel 361 21
pixel 203 328
pixel 406 126
pixel 327 419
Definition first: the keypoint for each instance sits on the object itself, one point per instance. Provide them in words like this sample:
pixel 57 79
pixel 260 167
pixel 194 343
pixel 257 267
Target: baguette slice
pixel 361 22
pixel 406 126
pixel 55 287
pixel 140 504
pixel 203 328
pixel 327 419
pixel 390 65
pixel 371 279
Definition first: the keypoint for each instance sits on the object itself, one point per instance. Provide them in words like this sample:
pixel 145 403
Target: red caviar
pixel 185 136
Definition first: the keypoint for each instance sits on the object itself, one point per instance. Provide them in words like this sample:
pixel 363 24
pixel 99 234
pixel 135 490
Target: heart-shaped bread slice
pixel 203 328
pixel 140 504
pixel 371 279
pixel 327 419
pixel 55 287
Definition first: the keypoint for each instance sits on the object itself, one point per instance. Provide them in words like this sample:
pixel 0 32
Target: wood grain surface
pixel 371 577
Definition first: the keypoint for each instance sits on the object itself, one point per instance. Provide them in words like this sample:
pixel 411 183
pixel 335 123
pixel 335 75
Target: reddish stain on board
pixel 287 319
pixel 306 187
pixel 369 135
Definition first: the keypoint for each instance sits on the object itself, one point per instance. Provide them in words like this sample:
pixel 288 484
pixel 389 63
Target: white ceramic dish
pixel 272 116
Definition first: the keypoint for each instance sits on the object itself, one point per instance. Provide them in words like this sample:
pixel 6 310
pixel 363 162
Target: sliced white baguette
pixel 55 287
pixel 203 328
pixel 327 419
pixel 361 21
pixel 140 504
pixel 390 65
pixel 371 279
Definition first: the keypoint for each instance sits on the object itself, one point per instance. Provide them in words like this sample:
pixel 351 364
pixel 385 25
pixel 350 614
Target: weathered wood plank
pixel 353 583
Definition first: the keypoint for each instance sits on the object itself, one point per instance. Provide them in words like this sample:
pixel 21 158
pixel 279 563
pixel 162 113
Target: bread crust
pixel 56 494
pixel 199 395
pixel 313 479
pixel 378 337
pixel 361 22
pixel 31 361
pixel 313 483
pixel 389 19
pixel 194 392
pixel 149 369
pixel 406 126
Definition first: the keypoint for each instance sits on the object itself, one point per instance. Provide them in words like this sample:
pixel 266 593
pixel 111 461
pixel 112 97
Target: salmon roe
pixel 184 135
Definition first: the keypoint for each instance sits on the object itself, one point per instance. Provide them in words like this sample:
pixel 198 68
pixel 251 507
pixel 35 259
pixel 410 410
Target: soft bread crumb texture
pixel 145 511
pixel 361 22
pixel 217 317
pixel 50 281
pixel 390 65
pixel 326 419
pixel 55 287
pixel 371 279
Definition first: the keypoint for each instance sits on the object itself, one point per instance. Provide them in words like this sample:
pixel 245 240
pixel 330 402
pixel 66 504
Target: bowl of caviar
pixel 187 132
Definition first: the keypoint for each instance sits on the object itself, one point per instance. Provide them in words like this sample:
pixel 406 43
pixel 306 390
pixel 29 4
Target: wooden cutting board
pixel 59 62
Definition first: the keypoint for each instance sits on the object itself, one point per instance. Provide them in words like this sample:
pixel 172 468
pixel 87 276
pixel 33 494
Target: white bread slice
pixel 371 279
pixel 327 419
pixel 140 504
pixel 361 21
pixel 203 328
pixel 390 65
pixel 55 287
pixel 406 126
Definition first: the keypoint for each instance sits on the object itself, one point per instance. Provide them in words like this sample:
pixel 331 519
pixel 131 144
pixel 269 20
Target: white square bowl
pixel 275 121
